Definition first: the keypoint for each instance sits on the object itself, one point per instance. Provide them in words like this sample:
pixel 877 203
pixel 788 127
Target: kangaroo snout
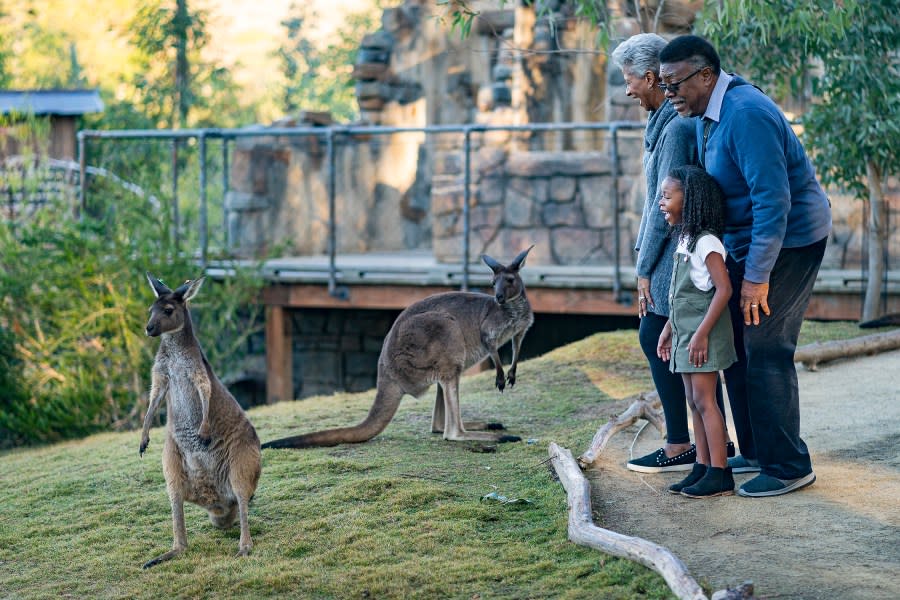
pixel 152 329
pixel 500 297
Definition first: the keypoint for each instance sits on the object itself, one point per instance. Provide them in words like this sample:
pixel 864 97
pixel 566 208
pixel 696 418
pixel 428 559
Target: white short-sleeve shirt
pixel 699 273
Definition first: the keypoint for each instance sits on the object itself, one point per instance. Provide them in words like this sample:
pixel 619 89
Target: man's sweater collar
pixel 714 108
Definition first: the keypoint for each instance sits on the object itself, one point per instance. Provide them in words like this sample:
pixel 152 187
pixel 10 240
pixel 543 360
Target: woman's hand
pixel 644 297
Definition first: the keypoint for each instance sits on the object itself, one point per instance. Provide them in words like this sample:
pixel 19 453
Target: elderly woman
pixel 669 142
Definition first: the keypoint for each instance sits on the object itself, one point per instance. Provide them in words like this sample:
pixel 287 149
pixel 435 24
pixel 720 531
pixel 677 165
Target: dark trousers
pixel 762 384
pixel 669 386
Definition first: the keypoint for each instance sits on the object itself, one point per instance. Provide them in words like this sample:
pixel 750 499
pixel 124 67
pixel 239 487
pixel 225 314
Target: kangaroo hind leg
pixel 176 480
pixel 244 475
pixel 454 429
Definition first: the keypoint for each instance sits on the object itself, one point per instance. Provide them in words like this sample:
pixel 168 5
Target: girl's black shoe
pixel 716 482
pixel 696 475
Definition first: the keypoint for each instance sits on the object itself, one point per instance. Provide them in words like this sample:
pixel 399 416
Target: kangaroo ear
pixel 159 288
pixel 493 264
pixel 189 289
pixel 519 261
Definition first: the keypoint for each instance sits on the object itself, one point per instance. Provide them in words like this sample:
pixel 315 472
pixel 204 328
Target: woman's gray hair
pixel 639 54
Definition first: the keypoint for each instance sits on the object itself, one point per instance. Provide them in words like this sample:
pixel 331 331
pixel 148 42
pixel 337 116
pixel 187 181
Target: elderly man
pixel 777 224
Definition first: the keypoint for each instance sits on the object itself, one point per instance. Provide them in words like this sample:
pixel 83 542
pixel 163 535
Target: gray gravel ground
pixel 837 539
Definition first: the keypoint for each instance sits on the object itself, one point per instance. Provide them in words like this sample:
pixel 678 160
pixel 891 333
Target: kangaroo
pixel 434 341
pixel 211 455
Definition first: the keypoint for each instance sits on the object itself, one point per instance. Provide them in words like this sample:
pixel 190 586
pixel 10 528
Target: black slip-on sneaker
pixel 658 462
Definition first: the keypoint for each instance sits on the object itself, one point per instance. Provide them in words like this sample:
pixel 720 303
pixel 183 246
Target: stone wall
pixel 404 191
pixel 337 349
pixel 562 202
pixel 278 194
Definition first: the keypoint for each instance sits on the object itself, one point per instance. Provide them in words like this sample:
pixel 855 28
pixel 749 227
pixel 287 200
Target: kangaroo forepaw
pixel 508 438
pixel 511 379
pixel 144 444
pixel 500 382
pixel 203 434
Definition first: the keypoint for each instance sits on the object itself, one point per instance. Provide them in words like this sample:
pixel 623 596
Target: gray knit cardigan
pixel 669 141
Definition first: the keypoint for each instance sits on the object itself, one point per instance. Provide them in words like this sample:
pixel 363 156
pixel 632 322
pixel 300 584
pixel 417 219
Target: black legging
pixel 669 386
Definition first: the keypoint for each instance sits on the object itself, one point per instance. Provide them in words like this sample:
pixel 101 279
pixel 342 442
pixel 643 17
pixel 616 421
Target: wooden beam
pixel 398 297
pixel 279 372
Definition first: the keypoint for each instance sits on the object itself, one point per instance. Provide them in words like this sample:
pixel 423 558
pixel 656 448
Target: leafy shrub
pixel 73 305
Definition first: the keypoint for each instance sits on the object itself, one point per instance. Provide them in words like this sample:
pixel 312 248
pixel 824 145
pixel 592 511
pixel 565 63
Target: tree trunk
pixel 877 242
pixel 182 25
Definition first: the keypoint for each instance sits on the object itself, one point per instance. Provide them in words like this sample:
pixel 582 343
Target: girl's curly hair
pixel 704 204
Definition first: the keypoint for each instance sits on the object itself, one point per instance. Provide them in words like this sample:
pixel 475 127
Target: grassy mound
pixel 401 516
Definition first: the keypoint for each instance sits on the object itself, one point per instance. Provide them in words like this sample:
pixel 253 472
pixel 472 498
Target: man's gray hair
pixel 639 54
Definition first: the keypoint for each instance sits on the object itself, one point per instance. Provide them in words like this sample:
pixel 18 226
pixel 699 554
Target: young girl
pixel 697 340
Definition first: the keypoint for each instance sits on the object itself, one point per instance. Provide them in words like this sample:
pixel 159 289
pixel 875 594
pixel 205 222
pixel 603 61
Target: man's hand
pixel 754 297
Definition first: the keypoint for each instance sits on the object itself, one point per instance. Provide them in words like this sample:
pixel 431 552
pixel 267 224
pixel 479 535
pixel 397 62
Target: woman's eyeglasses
pixel 673 87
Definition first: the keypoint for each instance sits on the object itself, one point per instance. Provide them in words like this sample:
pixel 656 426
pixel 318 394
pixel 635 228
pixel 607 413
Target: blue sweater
pixel 773 200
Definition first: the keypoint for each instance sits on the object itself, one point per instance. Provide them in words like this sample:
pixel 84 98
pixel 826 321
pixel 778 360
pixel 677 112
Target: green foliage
pixel 173 85
pixel 319 78
pixel 12 391
pixel 73 304
pixel 49 55
pixel 845 54
pixel 460 15
pixel 6 49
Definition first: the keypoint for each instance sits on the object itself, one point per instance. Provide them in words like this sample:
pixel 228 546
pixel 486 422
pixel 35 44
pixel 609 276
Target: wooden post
pixel 279 372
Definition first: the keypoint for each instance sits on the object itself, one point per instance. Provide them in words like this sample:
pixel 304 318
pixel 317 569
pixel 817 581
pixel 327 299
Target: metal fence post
pixel 467 178
pixel 204 224
pixel 176 225
pixel 225 236
pixel 342 293
pixel 617 235
pixel 82 174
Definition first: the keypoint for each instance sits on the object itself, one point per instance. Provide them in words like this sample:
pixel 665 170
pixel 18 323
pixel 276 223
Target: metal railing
pixel 330 134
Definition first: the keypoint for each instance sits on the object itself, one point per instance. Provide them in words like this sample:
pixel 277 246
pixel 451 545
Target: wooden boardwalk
pixel 394 280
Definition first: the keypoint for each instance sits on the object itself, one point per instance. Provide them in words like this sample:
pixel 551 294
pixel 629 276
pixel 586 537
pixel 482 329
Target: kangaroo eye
pixel 168 312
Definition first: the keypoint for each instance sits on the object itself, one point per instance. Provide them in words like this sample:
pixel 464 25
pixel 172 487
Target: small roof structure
pixel 50 102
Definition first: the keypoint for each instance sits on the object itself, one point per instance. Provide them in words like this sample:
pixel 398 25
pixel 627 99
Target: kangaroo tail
pixel 387 399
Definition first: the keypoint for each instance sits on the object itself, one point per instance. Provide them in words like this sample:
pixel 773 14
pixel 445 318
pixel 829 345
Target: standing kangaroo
pixel 211 455
pixel 434 341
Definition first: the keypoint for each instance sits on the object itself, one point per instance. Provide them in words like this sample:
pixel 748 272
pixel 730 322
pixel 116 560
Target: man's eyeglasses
pixel 673 87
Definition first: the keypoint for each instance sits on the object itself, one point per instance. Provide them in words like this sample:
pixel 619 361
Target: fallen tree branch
pixel 813 354
pixel 583 531
pixel 647 406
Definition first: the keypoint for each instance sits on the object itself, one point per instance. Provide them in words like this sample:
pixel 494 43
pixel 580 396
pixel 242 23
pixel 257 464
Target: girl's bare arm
pixel 699 345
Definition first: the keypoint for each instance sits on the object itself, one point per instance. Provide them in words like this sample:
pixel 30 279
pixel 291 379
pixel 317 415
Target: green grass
pixel 398 517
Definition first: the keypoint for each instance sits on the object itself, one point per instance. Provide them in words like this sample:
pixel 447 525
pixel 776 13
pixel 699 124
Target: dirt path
pixel 839 538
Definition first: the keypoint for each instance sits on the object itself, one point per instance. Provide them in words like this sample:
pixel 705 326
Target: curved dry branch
pixel 813 354
pixel 583 531
pixel 647 406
